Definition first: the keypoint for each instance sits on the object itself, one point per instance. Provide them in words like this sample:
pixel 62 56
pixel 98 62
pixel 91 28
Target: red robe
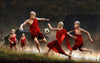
pixel 56 44
pixel 78 41
pixel 14 40
pixel 23 42
pixel 34 30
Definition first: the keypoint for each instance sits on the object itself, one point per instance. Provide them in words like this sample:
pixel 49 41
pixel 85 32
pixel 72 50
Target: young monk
pixel 79 41
pixel 12 39
pixel 23 41
pixel 60 35
pixel 34 28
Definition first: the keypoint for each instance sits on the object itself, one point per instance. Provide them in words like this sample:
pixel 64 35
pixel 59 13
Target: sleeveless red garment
pixel 78 41
pixel 23 42
pixel 14 40
pixel 34 30
pixel 56 44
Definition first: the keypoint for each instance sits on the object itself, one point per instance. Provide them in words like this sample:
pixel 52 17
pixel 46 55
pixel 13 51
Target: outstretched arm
pixel 42 19
pixel 87 34
pixel 71 36
pixel 54 29
pixel 21 26
pixel 71 31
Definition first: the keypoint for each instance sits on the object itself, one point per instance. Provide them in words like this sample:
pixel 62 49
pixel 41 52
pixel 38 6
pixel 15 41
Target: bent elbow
pixel 88 33
pixel 68 32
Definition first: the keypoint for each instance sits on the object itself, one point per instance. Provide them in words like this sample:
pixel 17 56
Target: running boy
pixel 79 41
pixel 34 28
pixel 60 35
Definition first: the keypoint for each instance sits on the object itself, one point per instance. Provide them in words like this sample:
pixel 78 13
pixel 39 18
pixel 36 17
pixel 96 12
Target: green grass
pixel 19 57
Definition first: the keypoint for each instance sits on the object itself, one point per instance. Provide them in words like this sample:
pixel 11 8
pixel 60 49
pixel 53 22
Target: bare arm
pixel 9 39
pixel 71 36
pixel 87 34
pixel 71 31
pixel 54 29
pixel 42 19
pixel 21 26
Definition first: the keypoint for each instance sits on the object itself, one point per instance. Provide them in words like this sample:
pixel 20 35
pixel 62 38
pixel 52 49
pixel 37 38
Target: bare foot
pixel 46 54
pixel 70 57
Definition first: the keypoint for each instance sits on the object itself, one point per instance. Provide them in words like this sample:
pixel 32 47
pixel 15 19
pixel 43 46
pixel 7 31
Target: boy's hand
pixel 12 42
pixel 48 24
pixel 91 40
pixel 21 29
pixel 47 19
pixel 75 37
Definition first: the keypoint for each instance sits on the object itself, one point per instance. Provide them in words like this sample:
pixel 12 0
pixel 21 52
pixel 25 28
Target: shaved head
pixel 61 23
pixel 13 30
pixel 77 22
pixel 32 13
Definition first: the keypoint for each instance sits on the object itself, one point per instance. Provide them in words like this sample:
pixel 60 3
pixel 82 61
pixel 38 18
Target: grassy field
pixel 19 57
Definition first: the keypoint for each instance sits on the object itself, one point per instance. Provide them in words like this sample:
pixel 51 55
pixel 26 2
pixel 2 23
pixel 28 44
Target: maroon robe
pixel 78 41
pixel 56 44
pixel 23 42
pixel 34 30
pixel 14 40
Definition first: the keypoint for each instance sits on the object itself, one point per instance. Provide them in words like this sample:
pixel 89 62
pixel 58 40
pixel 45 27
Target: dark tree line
pixel 16 11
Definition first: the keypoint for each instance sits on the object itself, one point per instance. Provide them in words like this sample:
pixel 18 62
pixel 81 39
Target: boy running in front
pixel 79 41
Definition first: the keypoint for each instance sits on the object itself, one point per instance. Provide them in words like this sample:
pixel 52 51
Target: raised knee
pixel 44 40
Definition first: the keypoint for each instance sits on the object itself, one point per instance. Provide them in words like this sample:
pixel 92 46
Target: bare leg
pixel 48 51
pixel 87 50
pixel 22 49
pixel 37 44
pixel 70 52
pixel 15 48
pixel 68 55
pixel 44 40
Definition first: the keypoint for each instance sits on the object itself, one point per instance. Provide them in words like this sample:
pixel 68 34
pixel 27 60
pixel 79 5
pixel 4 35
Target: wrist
pixel 21 26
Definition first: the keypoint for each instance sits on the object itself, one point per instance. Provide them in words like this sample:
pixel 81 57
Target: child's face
pixel 13 32
pixel 76 25
pixel 32 16
pixel 59 26
pixel 23 35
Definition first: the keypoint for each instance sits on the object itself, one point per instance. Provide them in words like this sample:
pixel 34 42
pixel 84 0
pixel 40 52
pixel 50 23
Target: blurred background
pixel 15 12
